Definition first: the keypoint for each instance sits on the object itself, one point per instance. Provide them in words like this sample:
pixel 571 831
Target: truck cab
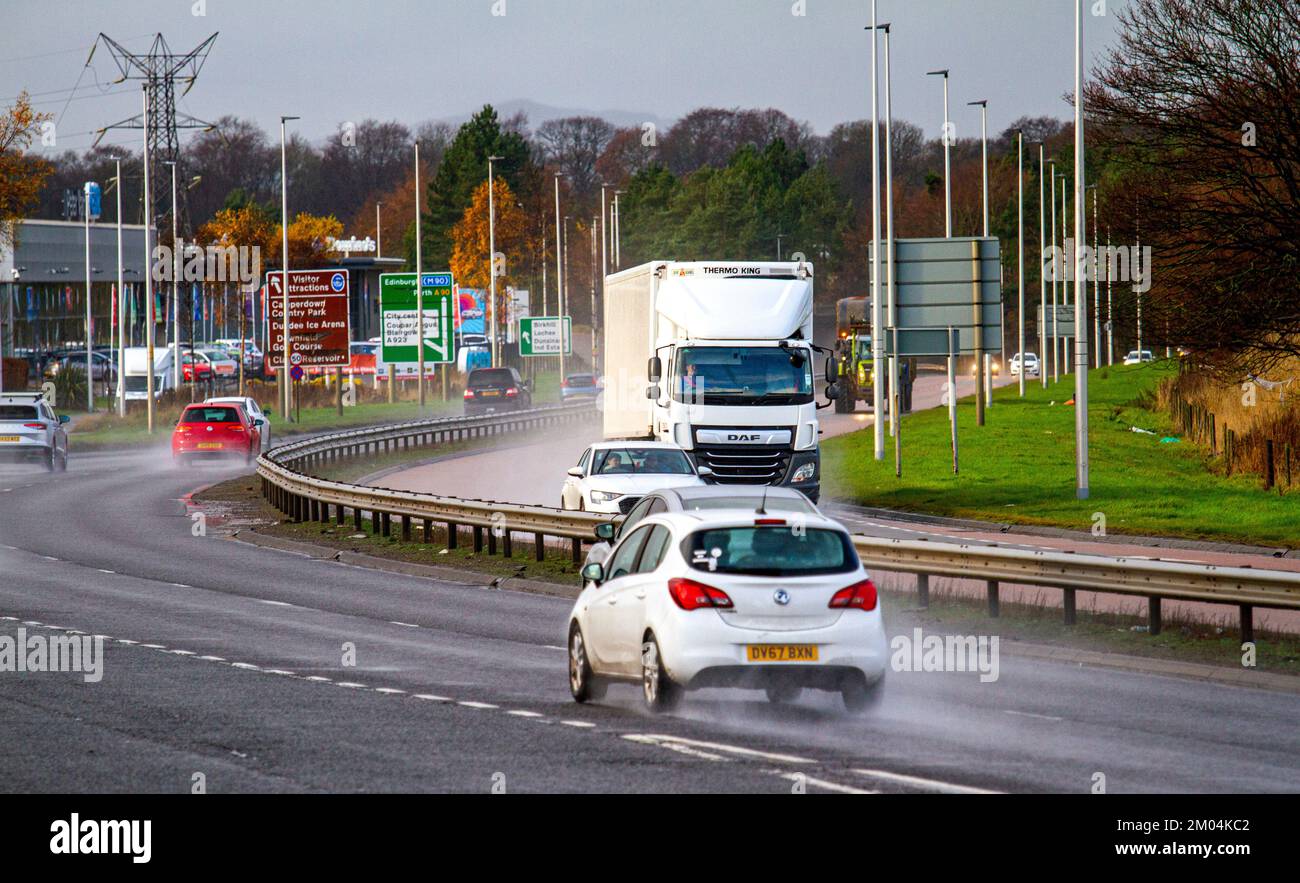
pixel 727 368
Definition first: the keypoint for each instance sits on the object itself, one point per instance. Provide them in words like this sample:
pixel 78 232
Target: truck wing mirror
pixel 655 369
pixel 652 392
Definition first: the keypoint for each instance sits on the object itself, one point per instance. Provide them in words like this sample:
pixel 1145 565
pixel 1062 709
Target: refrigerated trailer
pixel 717 357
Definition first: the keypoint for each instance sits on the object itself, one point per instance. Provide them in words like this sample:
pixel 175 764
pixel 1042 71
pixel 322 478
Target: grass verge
pixel 1019 467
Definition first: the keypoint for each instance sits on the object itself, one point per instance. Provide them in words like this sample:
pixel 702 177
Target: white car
pixel 30 430
pixel 1134 357
pixel 261 419
pixel 729 598
pixel 224 366
pixel 1031 365
pixel 612 476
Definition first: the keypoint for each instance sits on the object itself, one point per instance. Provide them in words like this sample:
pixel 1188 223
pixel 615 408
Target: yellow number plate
pixel 9 438
pixel 781 652
pixel 490 392
pixel 209 445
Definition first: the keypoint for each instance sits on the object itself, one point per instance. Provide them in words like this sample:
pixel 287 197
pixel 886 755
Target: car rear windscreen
pixel 770 504
pixel 485 377
pixel 770 551
pixel 581 380
pixel 18 412
pixel 211 415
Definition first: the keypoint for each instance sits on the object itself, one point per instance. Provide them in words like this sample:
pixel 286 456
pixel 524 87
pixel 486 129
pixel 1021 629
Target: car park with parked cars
pixel 748 598
pixel 30 430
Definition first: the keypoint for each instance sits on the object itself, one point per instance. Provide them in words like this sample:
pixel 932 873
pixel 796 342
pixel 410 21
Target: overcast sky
pixel 415 60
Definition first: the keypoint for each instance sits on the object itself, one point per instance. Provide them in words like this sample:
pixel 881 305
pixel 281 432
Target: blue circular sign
pixel 337 281
pixel 296 372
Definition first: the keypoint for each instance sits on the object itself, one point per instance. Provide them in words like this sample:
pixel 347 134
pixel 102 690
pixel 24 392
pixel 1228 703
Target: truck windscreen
pixel 743 375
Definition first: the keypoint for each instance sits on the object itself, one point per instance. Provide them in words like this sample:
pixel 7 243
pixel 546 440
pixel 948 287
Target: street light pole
pixel 148 269
pixel 877 333
pixel 1065 341
pixel 947 165
pixel 983 105
pixel 1056 272
pixel 90 368
pixel 1096 282
pixel 492 253
pixel 618 233
pixel 1110 311
pixel 283 375
pixel 419 292
pixel 176 293
pixel 559 267
pixel 1042 266
pixel 1020 251
pixel 890 318
pixel 121 303
pixel 1080 283
pixel 379 234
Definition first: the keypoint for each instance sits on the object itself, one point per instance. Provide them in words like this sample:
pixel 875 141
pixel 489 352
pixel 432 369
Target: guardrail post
pixel 452 530
pixel 356 519
pixel 406 529
pixel 338 514
pixel 577 552
pixel 492 541
pixel 539 547
pixel 1153 615
pixel 506 549
pixel 1247 624
pixel 478 539
pixel 386 524
pixel 923 589
pixel 992 585
pixel 297 509
pixel 1068 602
pixel 428 531
pixel 374 522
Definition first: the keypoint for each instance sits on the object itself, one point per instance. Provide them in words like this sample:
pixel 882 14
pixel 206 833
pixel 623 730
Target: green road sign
pixel 398 317
pixel 540 336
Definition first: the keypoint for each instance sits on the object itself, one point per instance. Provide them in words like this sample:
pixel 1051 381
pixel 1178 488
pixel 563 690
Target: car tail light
pixel 469 393
pixel 692 595
pixel 34 425
pixel 564 382
pixel 859 596
pixel 512 391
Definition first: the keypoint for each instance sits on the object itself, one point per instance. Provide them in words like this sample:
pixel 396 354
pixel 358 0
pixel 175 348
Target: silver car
pixel 30 430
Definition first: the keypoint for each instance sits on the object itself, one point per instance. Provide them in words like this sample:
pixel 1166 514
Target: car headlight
pixel 804 473
pixel 604 497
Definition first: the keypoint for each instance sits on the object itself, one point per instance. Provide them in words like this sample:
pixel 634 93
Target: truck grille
pixel 745 464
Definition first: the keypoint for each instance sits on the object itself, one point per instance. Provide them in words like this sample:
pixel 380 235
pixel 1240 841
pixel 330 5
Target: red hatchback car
pixel 214 431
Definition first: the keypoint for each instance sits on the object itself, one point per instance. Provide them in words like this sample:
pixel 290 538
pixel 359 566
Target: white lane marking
pixel 248 666
pixel 182 652
pixel 554 647
pixel 429 697
pixel 273 603
pixel 405 625
pixel 318 679
pixel 102 570
pixel 484 705
pixel 734 749
pixel 390 690
pixel 125 641
pixel 519 712
pixel 822 783
pixel 1041 717
pixel 279 671
pixel 675 746
pixel 213 658
pixel 49 558
pixel 583 725
pixel 182 586
pixel 30 622
pixel 924 784
pixel 353 685
pixel 154 646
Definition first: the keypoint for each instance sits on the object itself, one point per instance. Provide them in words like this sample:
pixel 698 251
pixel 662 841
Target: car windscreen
pixel 742 375
pixel 18 412
pixel 640 461
pixel 487 377
pixel 211 414
pixel 771 504
pixel 770 551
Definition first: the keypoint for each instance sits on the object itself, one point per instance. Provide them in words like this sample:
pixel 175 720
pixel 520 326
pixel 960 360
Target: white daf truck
pixel 718 358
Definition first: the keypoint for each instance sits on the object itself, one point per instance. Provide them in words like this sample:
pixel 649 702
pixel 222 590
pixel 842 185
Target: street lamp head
pixel 983 102
pixel 943 73
pixel 883 26
pixel 284 119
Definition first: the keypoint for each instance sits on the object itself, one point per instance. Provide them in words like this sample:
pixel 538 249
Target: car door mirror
pixel 64 418
pixel 575 471
pixel 605 531
pixel 704 472
pixel 594 573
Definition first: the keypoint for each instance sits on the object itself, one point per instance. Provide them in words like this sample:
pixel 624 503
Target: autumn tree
pixel 21 176
pixel 471 237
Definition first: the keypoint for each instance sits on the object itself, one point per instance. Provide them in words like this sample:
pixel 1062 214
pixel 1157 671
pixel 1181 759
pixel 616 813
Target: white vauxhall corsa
pixel 612 476
pixel 730 598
